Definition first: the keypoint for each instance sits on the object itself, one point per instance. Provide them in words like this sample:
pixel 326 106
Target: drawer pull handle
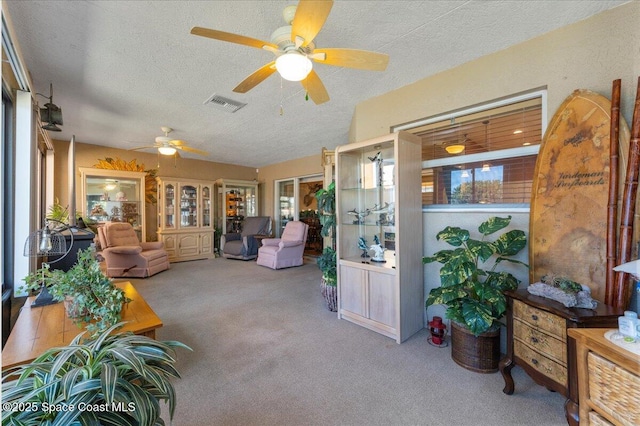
pixel 534 361
pixel 534 317
pixel 534 339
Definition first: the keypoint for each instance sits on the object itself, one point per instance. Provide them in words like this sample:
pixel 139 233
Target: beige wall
pixel 88 155
pixel 587 55
pixel 289 169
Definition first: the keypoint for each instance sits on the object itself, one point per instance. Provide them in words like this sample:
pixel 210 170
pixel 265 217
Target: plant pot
pixel 330 294
pixel 72 309
pixel 476 353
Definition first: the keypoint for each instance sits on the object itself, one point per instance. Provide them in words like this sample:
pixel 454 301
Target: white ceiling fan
pixel 294 49
pixel 169 146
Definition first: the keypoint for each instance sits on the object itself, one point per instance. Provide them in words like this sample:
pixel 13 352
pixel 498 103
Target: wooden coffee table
pixel 39 329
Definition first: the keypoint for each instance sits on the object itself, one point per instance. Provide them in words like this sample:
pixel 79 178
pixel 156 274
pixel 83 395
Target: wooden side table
pixel 537 341
pixel 608 377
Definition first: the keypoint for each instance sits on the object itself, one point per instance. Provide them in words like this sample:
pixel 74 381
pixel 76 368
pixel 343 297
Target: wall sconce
pixel 51 113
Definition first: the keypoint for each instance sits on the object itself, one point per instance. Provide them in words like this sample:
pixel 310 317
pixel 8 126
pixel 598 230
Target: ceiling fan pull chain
pixel 281 98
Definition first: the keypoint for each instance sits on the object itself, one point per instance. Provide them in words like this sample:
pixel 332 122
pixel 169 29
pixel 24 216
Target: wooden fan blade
pixel 232 38
pixel 351 58
pixel 141 147
pixel 309 19
pixel 193 150
pixel 315 88
pixel 256 78
pixel 177 142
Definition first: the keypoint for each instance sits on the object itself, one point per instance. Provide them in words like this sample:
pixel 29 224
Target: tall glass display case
pixel 184 218
pixel 379 234
pixel 114 196
pixel 236 199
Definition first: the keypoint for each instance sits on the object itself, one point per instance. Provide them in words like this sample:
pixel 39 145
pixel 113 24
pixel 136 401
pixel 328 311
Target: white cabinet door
pixel 353 290
pixel 188 245
pixel 206 242
pixel 170 245
pixel 382 294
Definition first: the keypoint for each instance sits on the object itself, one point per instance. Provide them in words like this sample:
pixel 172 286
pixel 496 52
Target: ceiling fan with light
pixel 169 146
pixel 295 50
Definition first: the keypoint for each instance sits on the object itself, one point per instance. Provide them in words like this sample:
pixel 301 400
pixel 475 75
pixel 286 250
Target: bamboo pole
pixel 612 208
pixel 622 285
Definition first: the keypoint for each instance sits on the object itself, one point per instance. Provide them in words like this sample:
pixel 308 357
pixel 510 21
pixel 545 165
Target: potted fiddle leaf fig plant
pixel 473 289
pixel 90 297
pixel 326 199
pixel 109 379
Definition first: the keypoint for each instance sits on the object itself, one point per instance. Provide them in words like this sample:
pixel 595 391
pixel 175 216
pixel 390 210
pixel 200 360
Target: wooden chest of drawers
pixel 537 341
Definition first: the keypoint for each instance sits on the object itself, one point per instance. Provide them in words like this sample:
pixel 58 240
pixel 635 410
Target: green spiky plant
pixel 473 294
pixel 112 379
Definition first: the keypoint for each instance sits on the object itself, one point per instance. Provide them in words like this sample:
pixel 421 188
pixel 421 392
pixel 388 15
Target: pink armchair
pixel 126 256
pixel 287 251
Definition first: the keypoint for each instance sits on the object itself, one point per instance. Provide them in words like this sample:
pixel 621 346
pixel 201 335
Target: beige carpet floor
pixel 266 351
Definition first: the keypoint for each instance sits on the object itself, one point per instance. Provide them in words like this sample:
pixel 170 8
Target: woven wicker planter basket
pixel 330 294
pixel 476 353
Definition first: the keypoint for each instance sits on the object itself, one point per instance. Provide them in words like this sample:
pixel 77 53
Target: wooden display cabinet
pixel 114 196
pixel 236 199
pixel 378 199
pixel 185 223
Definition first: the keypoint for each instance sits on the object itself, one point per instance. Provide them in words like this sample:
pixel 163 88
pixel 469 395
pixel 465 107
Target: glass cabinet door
pixel 188 206
pixel 206 206
pixel 367 201
pixel 169 205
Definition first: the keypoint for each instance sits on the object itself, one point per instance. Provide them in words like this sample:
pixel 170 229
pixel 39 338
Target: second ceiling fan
pixel 294 50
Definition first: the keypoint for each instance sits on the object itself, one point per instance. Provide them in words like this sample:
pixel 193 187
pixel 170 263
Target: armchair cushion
pixel 290 243
pixel 125 249
pixel 152 245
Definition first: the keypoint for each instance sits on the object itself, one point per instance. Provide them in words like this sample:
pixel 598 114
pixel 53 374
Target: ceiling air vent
pixel 223 103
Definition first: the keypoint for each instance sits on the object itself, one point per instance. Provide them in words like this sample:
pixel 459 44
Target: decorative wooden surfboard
pixel 568 220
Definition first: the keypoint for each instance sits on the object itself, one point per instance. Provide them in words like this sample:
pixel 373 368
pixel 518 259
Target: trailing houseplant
pixel 114 379
pixel 474 294
pixel 326 200
pixel 90 297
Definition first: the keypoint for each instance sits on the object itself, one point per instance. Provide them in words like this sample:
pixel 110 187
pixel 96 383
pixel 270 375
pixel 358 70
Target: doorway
pixel 295 200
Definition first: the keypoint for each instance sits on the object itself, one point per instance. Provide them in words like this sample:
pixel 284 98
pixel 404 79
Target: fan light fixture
pixel 166 150
pixel 293 66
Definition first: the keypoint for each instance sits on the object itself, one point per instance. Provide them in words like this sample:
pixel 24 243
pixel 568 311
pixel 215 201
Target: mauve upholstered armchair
pixel 287 251
pixel 243 245
pixel 126 256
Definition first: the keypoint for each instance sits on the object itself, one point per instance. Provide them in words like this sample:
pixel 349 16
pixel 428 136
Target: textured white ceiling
pixel 122 69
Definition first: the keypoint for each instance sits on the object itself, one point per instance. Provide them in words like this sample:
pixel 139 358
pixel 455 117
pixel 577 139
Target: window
pixel 481 155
